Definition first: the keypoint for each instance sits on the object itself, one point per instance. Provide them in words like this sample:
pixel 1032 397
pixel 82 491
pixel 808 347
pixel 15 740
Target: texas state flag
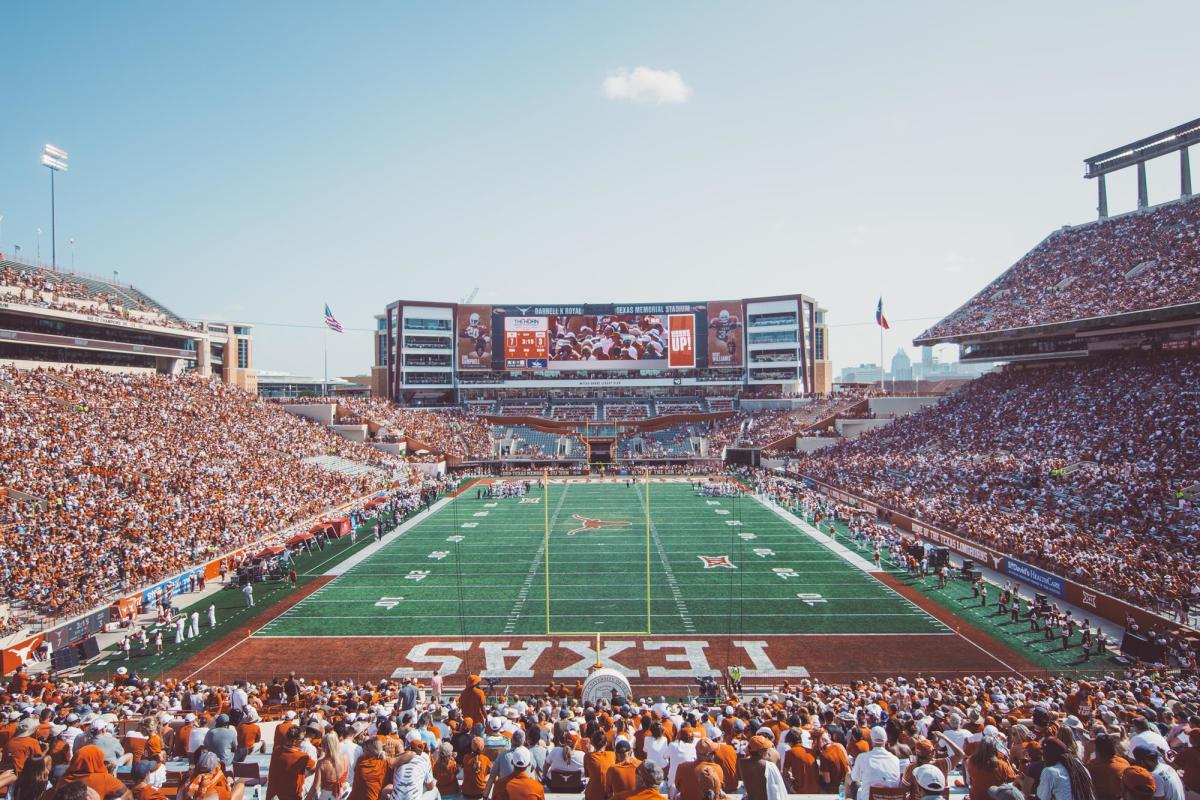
pixel 880 319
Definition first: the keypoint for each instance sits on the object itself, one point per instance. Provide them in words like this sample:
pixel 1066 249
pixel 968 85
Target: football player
pixel 477 332
pixel 726 326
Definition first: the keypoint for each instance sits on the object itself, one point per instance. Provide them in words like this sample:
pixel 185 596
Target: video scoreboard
pixel 600 337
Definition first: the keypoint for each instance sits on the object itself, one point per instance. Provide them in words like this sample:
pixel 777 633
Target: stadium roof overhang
pixel 1159 144
pixel 1163 318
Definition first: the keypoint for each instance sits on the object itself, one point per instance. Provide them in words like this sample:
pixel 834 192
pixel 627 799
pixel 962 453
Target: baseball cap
pixel 1138 780
pixel 927 776
pixel 1145 751
pixel 1005 791
pixel 521 759
pixel 759 744
pixel 878 735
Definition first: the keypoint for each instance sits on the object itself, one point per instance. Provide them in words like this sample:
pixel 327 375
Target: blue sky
pixel 254 161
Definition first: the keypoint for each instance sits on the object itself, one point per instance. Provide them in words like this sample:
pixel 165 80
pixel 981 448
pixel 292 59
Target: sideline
pixel 343 567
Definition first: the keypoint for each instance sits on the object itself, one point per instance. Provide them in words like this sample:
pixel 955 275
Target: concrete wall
pixel 352 433
pixel 854 428
pixel 318 412
pixel 899 406
pixel 395 448
pixel 811 444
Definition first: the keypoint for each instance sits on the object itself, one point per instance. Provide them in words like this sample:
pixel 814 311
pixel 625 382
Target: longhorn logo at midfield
pixel 589 524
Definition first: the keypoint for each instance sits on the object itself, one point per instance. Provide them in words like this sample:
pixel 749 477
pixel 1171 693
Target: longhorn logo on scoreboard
pixel 681 330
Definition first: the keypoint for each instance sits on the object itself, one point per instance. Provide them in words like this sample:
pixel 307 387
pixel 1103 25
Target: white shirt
pixel 413 779
pixel 351 752
pixel 238 700
pixel 1167 783
pixel 876 767
pixel 656 750
pixel 196 738
pixel 776 787
pixel 679 753
pixel 558 761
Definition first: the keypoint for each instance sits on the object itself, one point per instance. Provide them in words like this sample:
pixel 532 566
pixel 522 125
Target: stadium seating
pixel 37 286
pixel 444 431
pixel 1143 260
pixel 576 412
pixel 720 404
pixel 626 412
pixel 523 409
pixel 521 441
pixel 665 407
pixel 1075 467
pixel 118 460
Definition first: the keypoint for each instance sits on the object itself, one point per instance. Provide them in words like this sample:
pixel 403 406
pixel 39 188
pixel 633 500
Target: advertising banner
pixel 474 339
pixel 1037 578
pixel 725 334
pixel 179 584
pixel 681 330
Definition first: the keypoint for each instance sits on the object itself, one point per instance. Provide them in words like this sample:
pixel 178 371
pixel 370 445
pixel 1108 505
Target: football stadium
pixel 597 545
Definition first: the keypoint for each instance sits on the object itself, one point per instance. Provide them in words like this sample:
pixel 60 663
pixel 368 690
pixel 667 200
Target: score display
pixel 526 343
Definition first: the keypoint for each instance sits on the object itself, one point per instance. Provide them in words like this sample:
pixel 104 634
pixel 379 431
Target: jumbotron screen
pixel 599 337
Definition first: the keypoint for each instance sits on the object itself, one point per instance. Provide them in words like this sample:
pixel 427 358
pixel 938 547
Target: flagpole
pixel 882 388
pixel 325 385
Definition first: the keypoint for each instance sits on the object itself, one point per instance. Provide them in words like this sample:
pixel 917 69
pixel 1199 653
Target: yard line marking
pixel 519 604
pixel 668 573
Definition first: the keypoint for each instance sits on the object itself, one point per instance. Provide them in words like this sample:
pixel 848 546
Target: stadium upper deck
pixel 64 319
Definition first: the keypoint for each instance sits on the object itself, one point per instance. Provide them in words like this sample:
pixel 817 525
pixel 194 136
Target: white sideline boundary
pixel 353 561
pixel 854 559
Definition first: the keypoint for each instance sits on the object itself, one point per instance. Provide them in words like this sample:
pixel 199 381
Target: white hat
pixel 878 735
pixel 521 759
pixel 929 778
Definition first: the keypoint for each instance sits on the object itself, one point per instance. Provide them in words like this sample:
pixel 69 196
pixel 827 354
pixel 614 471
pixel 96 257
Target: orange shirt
pixel 519 786
pixel 144 791
pixel 800 771
pixel 475 774
pixel 726 757
pixel 20 748
pixel 370 776
pixel 982 779
pixel 286 775
pixel 445 772
pixel 595 767
pixel 695 778
pixel 621 779
pixel 1106 777
pixel 249 734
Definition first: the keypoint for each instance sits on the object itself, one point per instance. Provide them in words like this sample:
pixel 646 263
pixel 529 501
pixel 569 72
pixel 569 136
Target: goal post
pixel 546 545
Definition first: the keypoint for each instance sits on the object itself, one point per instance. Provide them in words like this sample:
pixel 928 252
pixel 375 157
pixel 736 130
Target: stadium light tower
pixel 55 160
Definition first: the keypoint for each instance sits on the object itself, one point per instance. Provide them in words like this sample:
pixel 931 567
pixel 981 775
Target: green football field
pixel 716 566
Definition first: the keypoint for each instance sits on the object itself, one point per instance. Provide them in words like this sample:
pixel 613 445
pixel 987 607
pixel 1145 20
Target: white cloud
pixel 646 85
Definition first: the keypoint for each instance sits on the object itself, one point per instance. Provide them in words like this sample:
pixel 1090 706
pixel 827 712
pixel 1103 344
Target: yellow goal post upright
pixel 550 631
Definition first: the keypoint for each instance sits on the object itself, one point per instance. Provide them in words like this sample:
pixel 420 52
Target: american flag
pixel 331 320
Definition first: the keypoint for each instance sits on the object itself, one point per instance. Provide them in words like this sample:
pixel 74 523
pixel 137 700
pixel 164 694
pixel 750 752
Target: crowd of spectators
pixel 1134 736
pixel 1090 271
pixel 451 432
pixel 756 428
pixel 42 288
pixel 1078 468
pixel 139 477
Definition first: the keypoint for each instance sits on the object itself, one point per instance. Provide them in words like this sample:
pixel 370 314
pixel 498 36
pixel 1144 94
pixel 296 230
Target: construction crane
pixel 469 297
